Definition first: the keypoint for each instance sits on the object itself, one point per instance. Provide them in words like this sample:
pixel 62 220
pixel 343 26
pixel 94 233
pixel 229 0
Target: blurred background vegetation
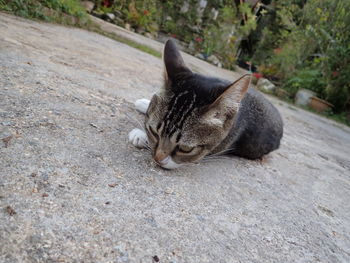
pixel 61 11
pixel 296 44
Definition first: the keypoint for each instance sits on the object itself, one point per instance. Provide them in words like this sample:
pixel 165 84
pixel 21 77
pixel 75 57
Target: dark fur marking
pixel 180 108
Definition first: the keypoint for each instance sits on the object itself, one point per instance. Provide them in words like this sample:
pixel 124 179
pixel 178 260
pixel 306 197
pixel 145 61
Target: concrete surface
pixel 73 190
pixel 191 61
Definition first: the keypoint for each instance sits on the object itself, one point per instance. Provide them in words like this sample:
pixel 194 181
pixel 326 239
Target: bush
pixel 184 20
pixel 338 77
pixel 49 10
pixel 142 14
pixel 310 79
pixel 306 44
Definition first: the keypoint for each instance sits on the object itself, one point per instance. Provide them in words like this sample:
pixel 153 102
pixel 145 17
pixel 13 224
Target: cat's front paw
pixel 138 138
pixel 142 105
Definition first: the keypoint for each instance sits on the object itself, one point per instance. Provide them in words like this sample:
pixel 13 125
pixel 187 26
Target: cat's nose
pixel 160 159
pixel 167 163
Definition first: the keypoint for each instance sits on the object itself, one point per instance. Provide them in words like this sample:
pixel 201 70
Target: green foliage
pixel 246 14
pixel 291 55
pixel 299 36
pixel 142 14
pixel 71 7
pixel 333 32
pixel 170 26
pixel 218 36
pixel 62 11
pixel 338 77
pixel 223 37
pixel 310 79
pixel 25 8
pixel 275 27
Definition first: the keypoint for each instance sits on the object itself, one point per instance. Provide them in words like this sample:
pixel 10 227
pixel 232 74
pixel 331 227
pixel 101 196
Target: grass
pixel 59 11
pixel 66 12
pixel 126 41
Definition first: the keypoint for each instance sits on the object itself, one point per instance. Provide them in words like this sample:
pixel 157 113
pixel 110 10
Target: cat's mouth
pixel 168 163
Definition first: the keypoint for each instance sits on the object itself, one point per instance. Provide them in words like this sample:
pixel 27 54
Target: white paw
pixel 142 105
pixel 138 138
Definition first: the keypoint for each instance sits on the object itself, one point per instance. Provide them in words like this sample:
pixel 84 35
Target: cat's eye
pixel 185 149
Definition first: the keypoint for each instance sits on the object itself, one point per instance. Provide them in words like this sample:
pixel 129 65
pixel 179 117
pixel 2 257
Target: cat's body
pixel 257 130
pixel 194 116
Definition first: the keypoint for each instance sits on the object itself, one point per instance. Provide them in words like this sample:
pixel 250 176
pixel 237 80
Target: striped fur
pixel 194 116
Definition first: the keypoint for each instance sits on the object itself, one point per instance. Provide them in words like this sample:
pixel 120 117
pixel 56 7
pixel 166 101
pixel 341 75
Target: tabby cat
pixel 193 116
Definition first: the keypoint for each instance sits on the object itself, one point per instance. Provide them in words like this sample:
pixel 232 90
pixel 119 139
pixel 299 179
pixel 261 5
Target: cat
pixel 194 116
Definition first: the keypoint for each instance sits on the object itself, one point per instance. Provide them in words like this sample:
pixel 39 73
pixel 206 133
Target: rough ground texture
pixel 73 190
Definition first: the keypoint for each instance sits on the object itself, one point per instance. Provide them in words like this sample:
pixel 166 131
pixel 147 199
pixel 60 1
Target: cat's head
pixel 192 114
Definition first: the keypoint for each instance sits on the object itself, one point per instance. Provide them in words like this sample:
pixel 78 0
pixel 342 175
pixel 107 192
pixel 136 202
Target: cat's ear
pixel 227 104
pixel 174 64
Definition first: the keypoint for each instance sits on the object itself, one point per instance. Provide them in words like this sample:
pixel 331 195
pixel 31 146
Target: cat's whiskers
pixel 220 158
pixel 216 157
pixel 221 153
pixel 135 120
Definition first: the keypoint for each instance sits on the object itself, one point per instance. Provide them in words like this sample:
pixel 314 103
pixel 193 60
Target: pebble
pixel 7 123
